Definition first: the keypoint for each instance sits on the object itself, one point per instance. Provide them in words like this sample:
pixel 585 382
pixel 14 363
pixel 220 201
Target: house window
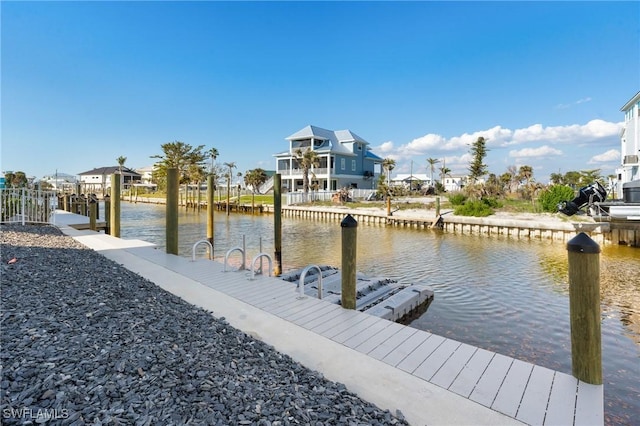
pixel 353 165
pixel 342 164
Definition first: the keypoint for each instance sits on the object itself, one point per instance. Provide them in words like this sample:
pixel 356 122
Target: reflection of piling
pixel 107 214
pixel 172 211
pixel 584 308
pixel 349 239
pixel 210 210
pixel 277 223
pixel 114 226
pixel 93 214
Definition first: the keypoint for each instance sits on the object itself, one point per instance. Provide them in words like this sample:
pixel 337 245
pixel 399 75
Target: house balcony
pixel 298 172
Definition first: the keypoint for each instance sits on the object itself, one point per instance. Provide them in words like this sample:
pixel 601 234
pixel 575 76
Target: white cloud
pixel 385 148
pixel 582 141
pixel 578 102
pixel 542 151
pixel 609 156
pixel 593 131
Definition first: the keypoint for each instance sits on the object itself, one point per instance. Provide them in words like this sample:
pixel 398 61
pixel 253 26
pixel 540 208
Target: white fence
pixel 302 197
pixel 19 205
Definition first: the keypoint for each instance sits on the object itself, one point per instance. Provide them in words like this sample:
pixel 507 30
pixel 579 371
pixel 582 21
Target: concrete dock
pixel 429 378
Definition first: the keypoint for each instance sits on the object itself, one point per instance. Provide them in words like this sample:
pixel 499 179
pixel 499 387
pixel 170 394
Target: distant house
pixel 99 180
pixel 416 180
pixel 630 144
pixel 454 183
pixel 146 174
pixel 61 181
pixel 344 157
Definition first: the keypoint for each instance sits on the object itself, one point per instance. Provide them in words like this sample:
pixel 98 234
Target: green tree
pixel 444 172
pixel 178 155
pixel 121 160
pixel 213 154
pixel 432 167
pixel 254 179
pixel 388 164
pixel 572 178
pixel 525 178
pixel 494 186
pixel 306 160
pixel 16 179
pixel 587 177
pixel 556 178
pixel 477 168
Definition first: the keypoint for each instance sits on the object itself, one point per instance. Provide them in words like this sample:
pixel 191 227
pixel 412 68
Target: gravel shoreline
pixel 86 341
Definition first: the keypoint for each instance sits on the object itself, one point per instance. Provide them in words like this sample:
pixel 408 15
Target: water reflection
pixel 497 293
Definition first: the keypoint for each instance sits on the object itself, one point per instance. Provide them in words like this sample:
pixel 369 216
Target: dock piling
pixel 584 308
pixel 114 225
pixel 93 214
pixel 210 210
pixel 172 211
pixel 349 244
pixel 277 223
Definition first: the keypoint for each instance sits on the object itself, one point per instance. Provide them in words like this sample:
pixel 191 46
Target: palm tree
pixel 231 166
pixel 432 167
pixel 306 160
pixel 444 172
pixel 213 153
pixel 388 164
pixel 557 178
pixel 121 160
pixel 255 178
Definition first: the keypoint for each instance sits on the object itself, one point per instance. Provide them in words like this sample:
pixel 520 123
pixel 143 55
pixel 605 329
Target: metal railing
pixel 21 205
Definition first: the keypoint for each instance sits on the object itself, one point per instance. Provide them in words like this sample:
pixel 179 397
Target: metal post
pixel 172 211
pixel 210 215
pixel 349 242
pixel 93 213
pixel 277 223
pixel 584 308
pixel 114 227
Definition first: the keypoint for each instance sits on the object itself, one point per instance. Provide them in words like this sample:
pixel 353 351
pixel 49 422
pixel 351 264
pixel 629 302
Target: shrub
pixel 473 208
pixel 457 199
pixel 492 202
pixel 553 195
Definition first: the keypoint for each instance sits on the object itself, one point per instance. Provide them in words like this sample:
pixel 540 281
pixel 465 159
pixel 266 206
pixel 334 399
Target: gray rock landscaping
pixel 86 341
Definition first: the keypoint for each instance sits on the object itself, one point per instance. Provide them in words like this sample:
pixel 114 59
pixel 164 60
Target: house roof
pixel 335 139
pixel 109 170
pixel 407 177
pixel 630 103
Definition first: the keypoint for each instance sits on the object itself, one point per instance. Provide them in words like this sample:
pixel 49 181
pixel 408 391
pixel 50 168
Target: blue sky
pixel 86 82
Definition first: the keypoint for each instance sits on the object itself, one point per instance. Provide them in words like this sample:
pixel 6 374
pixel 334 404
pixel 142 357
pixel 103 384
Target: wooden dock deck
pixel 525 392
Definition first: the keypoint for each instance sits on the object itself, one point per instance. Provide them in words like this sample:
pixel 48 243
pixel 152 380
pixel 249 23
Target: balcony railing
pixel 316 171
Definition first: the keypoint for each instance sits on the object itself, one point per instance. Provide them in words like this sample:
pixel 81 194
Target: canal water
pixel 508 296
